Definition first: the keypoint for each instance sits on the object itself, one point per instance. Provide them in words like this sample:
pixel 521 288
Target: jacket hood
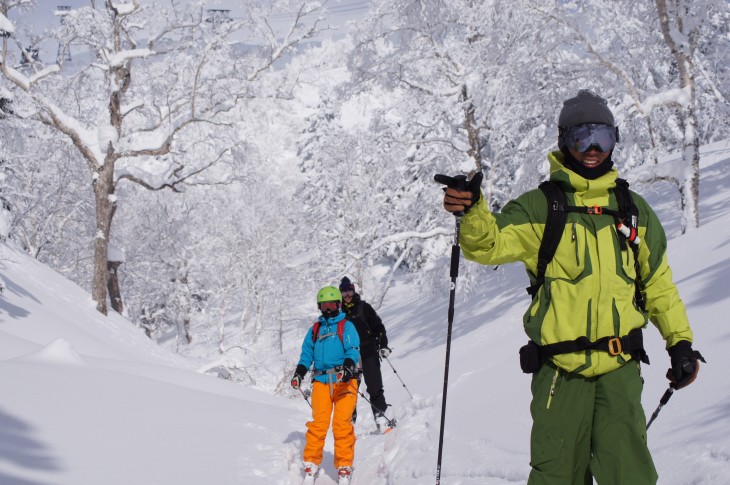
pixel 572 182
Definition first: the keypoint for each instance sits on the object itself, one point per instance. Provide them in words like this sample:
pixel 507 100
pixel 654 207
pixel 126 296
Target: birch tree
pixel 681 24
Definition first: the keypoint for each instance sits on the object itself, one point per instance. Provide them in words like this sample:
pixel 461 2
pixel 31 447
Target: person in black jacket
pixel 373 345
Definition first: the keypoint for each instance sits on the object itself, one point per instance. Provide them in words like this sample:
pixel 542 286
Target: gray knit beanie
pixel 586 107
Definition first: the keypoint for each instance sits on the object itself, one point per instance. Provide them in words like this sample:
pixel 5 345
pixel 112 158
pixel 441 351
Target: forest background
pixel 204 171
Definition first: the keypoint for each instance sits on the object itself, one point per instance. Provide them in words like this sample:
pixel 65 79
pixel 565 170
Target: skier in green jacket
pixel 586 390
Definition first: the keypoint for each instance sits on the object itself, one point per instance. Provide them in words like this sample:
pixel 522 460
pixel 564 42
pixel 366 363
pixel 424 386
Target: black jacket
pixel 368 324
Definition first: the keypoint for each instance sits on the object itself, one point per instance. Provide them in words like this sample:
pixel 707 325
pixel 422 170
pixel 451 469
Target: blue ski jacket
pixel 328 351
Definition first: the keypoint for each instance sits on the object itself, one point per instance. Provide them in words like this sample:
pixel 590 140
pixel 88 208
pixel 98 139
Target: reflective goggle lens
pixel 580 138
pixel 328 305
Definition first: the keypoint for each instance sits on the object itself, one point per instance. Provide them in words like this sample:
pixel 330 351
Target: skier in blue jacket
pixel 332 345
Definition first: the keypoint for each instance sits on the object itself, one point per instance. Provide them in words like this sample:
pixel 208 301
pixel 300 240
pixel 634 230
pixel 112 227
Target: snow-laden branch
pixel 143 178
pixel 290 39
pixel 123 9
pixel 402 237
pixel 6 25
pixel 24 82
pixel 674 96
pixel 118 59
pixel 86 141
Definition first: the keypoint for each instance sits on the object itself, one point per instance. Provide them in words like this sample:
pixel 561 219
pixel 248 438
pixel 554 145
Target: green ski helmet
pixel 329 293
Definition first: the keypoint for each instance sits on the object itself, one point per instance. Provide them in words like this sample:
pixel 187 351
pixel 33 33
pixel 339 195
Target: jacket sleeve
pixel 351 342
pixel 663 304
pixel 506 236
pixel 376 325
pixel 306 357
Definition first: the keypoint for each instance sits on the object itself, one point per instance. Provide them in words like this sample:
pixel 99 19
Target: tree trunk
pixel 103 192
pixel 115 293
pixel 683 55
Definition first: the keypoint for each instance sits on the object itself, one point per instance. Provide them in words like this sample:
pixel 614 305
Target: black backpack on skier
pixel 626 217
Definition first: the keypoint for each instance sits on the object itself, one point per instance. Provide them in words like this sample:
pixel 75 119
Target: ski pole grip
pixel 458 182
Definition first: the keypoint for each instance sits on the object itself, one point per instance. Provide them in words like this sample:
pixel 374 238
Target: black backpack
pixel 627 223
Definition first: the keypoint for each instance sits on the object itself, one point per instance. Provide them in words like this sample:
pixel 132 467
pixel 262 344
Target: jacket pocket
pixel 569 260
pixel 627 264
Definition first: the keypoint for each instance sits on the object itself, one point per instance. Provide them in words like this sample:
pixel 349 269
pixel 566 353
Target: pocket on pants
pixel 545 452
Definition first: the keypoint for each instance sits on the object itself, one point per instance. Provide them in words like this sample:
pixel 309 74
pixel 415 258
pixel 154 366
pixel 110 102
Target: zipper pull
pixel 573 237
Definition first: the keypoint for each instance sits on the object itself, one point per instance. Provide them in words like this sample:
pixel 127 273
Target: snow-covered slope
pixel 88 400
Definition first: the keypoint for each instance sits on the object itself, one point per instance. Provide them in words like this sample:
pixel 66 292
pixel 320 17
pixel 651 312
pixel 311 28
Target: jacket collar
pixel 570 181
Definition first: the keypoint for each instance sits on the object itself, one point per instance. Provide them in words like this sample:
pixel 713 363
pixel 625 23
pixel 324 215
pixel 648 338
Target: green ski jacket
pixel 590 282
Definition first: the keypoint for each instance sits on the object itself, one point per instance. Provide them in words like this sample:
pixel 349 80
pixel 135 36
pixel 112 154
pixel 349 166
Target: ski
pixel 309 479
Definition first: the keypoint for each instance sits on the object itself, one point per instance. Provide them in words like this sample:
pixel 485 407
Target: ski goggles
pixel 329 305
pixel 348 293
pixel 581 137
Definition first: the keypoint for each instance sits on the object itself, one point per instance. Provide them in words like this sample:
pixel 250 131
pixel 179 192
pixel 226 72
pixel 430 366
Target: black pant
pixel 374 381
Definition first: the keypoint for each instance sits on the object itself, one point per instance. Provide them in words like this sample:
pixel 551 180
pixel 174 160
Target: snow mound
pixel 60 351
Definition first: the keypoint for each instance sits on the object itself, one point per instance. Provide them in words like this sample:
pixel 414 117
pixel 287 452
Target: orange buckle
pixel 614 346
pixel 596 209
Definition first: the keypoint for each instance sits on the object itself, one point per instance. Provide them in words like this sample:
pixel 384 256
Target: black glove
pixel 685 365
pixel 299 374
pixel 382 341
pixel 460 194
pixel 349 370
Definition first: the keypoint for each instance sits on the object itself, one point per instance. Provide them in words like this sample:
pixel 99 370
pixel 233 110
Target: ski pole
pixel 305 395
pixel 391 422
pixel 460 183
pixel 396 374
pixel 665 398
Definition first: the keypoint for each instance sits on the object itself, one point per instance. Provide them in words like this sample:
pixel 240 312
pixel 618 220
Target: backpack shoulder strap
pixel 341 330
pixel 630 219
pixel 629 213
pixel 554 223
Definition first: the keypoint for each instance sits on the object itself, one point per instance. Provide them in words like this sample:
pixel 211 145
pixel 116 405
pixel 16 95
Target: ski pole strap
pixel 532 355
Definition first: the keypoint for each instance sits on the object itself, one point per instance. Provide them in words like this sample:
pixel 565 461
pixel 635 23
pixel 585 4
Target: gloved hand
pixel 349 370
pixel 299 374
pixel 384 352
pixel 460 194
pixel 382 341
pixel 685 365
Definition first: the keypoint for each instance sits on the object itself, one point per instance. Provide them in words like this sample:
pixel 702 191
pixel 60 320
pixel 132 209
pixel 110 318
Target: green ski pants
pixel 585 427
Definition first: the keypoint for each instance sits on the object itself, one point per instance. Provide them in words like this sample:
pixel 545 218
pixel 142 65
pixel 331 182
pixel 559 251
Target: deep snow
pixel 88 400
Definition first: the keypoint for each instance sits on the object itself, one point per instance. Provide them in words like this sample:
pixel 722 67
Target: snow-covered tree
pixel 152 104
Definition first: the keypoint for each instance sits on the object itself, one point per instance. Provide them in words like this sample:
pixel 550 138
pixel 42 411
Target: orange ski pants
pixel 343 399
